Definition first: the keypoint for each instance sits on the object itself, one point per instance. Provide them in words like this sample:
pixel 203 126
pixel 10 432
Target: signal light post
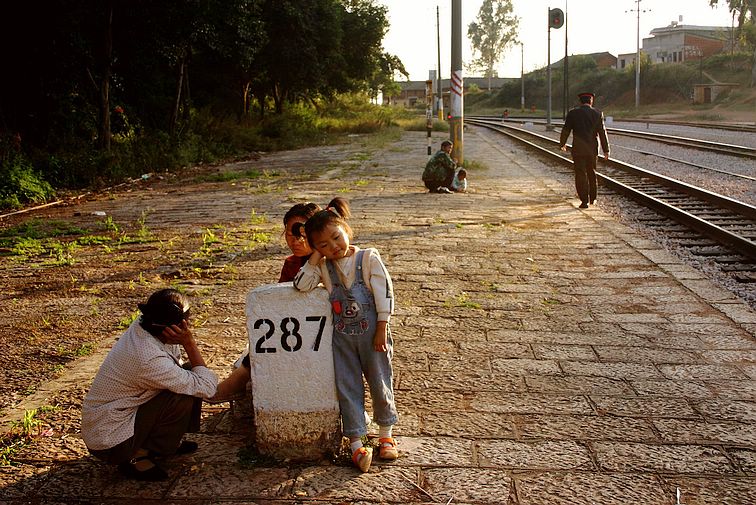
pixel 556 20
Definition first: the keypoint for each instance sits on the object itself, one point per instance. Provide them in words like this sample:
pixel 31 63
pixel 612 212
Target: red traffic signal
pixel 556 18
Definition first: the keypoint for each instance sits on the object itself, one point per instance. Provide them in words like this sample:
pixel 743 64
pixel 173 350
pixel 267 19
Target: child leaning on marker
pixel 362 301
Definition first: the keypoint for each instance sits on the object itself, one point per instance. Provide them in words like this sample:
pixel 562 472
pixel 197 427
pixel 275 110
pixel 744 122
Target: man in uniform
pixel 439 171
pixel 586 125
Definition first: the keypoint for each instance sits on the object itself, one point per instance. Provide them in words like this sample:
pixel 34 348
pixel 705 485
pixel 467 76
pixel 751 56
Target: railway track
pixel 705 145
pixel 708 225
pixel 736 127
pixel 715 126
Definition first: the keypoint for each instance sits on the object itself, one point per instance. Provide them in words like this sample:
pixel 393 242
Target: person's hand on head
pixel 315 257
pixel 178 334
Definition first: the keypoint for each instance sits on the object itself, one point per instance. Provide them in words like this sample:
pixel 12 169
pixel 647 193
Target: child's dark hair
pixel 336 212
pixel 164 308
pixel 462 171
pixel 303 210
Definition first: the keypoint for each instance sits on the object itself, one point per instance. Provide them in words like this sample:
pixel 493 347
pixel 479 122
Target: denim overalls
pixel 354 324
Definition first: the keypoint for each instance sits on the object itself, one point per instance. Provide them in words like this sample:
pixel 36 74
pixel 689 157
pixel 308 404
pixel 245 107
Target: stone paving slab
pixel 544 354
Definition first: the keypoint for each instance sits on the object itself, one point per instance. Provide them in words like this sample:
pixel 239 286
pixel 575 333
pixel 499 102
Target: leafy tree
pixel 493 30
pixel 384 76
pixel 745 10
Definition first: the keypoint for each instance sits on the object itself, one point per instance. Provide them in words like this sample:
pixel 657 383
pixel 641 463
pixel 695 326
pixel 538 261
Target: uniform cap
pixel 581 95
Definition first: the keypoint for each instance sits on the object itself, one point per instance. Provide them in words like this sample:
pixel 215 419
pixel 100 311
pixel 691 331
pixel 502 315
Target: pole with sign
pixel 456 84
pixel 556 20
pixel 429 112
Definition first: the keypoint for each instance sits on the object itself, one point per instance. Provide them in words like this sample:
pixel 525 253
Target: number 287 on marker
pixel 289 328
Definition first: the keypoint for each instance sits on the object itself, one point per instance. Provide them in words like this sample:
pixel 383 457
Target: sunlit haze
pixel 594 26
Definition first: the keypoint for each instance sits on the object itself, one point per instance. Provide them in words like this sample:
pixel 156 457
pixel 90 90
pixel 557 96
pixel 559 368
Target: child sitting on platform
pixel 459 183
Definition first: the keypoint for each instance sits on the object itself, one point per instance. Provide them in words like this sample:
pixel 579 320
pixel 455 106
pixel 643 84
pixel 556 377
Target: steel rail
pixel 684 162
pixel 706 145
pixel 748 127
pixel 745 127
pixel 734 241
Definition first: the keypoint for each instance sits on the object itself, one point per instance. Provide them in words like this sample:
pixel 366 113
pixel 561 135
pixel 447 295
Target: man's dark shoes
pixel 186 447
pixel 153 474
pixel 583 205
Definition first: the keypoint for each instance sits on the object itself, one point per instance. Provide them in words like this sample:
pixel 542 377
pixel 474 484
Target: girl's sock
pixel 355 445
pixel 384 431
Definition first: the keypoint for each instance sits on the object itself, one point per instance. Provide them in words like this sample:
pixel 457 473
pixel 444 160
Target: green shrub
pixel 418 125
pixel 20 184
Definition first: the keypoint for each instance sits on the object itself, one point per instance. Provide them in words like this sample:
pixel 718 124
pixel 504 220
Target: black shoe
pixel 186 447
pixel 583 206
pixel 154 474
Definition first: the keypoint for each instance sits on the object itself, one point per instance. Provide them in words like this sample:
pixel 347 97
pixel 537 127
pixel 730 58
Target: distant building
pixel 603 60
pixel 414 91
pixel 677 43
pixel 625 60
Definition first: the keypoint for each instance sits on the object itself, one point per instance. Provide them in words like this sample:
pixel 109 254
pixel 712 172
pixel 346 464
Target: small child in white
pixel 459 184
pixel 362 301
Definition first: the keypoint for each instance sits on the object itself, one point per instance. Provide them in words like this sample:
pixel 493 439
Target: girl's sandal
pixel 388 448
pixel 362 458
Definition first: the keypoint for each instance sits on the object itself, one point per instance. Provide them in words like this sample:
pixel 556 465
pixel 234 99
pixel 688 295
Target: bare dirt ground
pixel 75 286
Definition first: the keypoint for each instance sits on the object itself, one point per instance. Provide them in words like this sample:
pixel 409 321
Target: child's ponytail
pixel 340 206
pixel 336 212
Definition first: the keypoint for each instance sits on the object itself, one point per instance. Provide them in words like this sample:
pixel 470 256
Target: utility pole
pixel 566 89
pixel 522 77
pixel 456 84
pixel 440 96
pixel 637 50
pixel 555 20
pixel 548 76
pixel 637 54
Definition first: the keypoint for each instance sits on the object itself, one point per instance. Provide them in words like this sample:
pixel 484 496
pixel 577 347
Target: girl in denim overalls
pixel 362 301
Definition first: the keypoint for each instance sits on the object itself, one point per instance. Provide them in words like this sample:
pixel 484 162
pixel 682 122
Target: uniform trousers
pixel 585 177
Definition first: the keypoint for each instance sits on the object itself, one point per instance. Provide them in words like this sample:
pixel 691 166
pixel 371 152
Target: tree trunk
pixel 753 70
pixel 187 97
pixel 177 101
pixel 246 105
pixel 105 133
pixel 278 99
pixel 261 100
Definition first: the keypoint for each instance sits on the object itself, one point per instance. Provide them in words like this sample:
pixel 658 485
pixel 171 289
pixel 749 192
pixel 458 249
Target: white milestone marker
pixel 293 384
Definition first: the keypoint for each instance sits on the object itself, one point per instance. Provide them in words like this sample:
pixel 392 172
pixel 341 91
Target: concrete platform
pixel 544 354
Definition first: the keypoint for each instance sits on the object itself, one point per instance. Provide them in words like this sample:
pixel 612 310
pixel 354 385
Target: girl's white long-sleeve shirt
pixel 375 275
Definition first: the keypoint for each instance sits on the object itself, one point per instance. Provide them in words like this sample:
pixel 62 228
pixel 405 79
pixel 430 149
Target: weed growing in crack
pixel 462 300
